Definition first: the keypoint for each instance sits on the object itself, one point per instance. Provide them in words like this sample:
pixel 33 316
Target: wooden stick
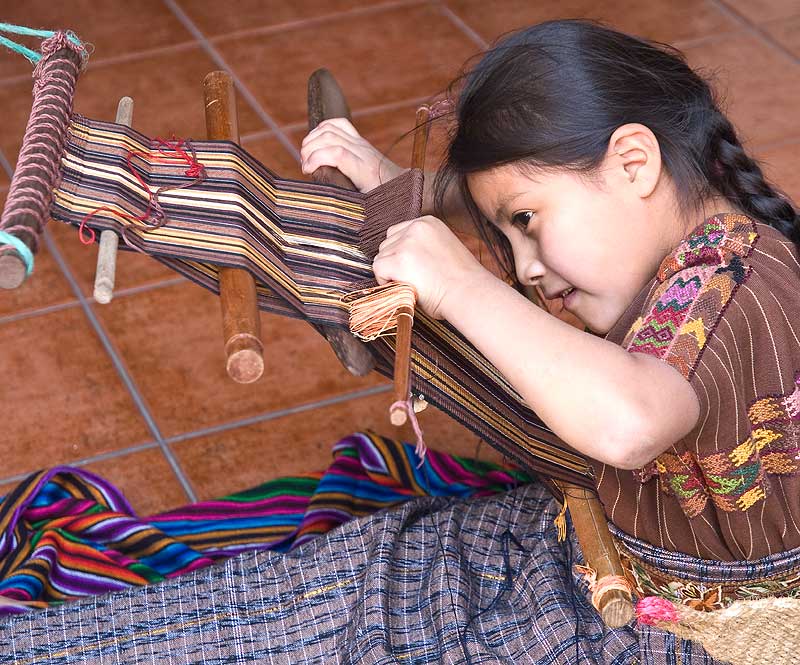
pixel 405 317
pixel 325 101
pixel 599 551
pixel 241 323
pixel 105 273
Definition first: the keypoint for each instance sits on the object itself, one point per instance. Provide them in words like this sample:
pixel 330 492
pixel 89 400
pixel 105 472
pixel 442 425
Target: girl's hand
pixel 336 143
pixel 426 254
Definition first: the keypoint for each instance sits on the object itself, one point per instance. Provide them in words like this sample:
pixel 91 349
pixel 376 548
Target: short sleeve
pixel 694 287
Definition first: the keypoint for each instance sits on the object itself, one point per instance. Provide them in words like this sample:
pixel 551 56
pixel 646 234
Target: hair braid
pixel 738 177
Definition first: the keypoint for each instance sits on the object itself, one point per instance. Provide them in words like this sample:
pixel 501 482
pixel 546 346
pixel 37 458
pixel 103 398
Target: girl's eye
pixel 522 219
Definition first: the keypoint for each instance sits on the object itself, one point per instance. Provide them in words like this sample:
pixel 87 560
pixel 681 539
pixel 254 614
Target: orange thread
pixel 374 311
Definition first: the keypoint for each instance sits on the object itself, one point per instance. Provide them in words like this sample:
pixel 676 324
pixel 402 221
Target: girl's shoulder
pixel 729 273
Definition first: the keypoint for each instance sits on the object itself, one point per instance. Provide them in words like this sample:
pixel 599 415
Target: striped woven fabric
pixel 307 245
pixel 68 533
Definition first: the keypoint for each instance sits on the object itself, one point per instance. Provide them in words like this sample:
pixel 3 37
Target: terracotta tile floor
pixel 136 390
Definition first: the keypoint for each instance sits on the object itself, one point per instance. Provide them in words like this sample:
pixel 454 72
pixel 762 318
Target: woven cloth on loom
pixel 67 533
pixel 307 245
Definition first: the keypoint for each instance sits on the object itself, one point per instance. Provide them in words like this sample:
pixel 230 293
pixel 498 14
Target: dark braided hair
pixel 551 96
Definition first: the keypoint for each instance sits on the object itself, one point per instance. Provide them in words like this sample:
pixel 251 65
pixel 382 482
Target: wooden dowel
pixel 325 101
pixel 405 319
pixel 591 528
pixel 105 273
pixel 241 323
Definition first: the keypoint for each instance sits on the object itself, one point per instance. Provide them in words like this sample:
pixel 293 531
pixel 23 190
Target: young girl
pixel 605 165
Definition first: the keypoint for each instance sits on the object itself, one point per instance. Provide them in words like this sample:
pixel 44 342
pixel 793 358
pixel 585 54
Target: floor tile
pixel 114 28
pixel 786 32
pixel 761 85
pixel 44 287
pixel 780 166
pixel 171 339
pixel 759 11
pixel 275 156
pixel 145 478
pixel 133 269
pixel 167 90
pixel 214 18
pixel 61 394
pixel 664 21
pixel 245 457
pixel 362 52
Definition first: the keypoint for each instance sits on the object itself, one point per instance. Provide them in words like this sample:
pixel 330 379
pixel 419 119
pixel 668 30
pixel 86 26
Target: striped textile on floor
pixel 67 533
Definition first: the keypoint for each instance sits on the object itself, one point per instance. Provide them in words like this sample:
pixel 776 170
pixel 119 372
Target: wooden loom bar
pixel 105 273
pixel 241 323
pixel 326 101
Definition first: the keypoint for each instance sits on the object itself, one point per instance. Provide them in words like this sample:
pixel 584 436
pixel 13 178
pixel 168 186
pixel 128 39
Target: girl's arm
pixel 620 408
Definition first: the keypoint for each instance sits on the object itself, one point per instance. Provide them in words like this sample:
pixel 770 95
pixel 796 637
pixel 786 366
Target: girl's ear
pixel 634 155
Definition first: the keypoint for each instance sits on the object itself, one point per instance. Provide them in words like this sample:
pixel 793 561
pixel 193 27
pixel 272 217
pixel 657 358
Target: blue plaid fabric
pixel 431 581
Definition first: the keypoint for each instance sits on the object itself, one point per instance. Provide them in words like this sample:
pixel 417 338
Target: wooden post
pixel 105 273
pixel 325 101
pixel 241 323
pixel 599 551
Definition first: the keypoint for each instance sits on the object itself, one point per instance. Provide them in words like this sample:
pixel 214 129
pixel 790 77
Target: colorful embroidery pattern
pixel 697 281
pixel 737 478
pixel 704 597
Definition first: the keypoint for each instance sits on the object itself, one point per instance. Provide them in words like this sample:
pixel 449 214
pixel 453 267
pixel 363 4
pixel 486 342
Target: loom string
pixel 154 210
pixel 32 56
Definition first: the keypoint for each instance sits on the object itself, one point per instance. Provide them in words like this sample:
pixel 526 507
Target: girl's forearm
pixel 619 408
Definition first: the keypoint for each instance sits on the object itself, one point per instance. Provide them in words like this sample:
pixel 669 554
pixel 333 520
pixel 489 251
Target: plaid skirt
pixel 432 581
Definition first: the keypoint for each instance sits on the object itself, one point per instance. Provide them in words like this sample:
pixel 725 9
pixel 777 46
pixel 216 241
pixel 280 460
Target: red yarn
pixel 196 170
pixel 652 609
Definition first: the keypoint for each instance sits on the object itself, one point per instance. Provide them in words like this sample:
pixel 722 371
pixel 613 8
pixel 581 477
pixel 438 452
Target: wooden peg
pixel 241 323
pixel 325 101
pixel 405 318
pixel 601 555
pixel 105 273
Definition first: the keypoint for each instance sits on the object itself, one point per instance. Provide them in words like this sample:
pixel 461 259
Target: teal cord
pixel 31 55
pixel 22 249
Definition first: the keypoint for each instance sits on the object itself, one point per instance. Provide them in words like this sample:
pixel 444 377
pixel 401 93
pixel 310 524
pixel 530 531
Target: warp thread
pixel 153 216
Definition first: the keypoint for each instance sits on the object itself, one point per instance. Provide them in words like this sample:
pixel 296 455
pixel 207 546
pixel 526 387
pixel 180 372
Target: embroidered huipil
pixel 724 310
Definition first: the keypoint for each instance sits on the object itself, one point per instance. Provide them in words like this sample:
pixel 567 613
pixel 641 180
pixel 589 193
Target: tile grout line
pixel 754 29
pixel 280 413
pixel 244 422
pixel 299 24
pixel 461 24
pixel 216 56
pixel 102 457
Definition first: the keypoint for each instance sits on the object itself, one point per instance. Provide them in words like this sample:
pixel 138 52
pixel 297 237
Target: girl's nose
pixel 527 264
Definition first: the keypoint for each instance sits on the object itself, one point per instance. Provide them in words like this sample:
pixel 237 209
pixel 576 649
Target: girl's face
pixel 595 241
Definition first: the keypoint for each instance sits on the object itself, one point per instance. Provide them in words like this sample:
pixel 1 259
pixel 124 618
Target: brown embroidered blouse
pixel 724 310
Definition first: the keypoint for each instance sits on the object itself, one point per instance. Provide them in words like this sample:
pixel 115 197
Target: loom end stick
pixel 105 273
pixel 591 528
pixel 325 101
pixel 12 271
